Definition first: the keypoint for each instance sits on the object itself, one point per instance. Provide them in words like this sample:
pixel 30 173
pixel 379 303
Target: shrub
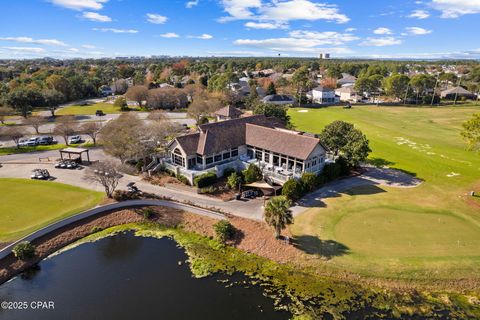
pixel 228 172
pixel 309 182
pixel 24 250
pixel 148 213
pixel 224 230
pixel 122 195
pixel 234 180
pixel 170 173
pixel 202 120
pixel 331 171
pixel 183 179
pixel 204 180
pixel 96 229
pixel 121 103
pixel 292 190
pixel 207 190
pixel 252 174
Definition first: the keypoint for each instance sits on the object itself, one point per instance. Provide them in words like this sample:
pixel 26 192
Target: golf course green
pixel 28 205
pixel 428 232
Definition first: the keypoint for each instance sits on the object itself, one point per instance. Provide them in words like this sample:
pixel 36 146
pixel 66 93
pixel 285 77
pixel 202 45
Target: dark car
pixel 46 140
pixel 99 113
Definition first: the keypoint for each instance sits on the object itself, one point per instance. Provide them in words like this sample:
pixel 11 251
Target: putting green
pixel 431 231
pixel 27 205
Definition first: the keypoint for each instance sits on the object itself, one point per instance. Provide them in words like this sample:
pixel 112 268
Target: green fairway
pixel 107 108
pixel 27 205
pixel 431 231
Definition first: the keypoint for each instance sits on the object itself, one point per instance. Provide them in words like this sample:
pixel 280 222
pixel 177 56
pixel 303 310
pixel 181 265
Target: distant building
pixel 324 55
pixel 458 92
pixel 279 99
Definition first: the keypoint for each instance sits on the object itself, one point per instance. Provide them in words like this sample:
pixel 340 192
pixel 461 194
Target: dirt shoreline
pixel 252 236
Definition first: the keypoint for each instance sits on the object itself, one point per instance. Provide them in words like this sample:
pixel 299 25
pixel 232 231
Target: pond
pixel 129 277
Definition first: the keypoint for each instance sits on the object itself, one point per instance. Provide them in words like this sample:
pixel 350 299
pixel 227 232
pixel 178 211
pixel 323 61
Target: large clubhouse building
pixel 281 154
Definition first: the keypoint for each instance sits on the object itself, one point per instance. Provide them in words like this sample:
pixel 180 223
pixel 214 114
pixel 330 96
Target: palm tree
pixel 278 214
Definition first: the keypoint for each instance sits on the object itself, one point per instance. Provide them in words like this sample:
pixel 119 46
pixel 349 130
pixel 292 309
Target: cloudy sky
pixel 344 28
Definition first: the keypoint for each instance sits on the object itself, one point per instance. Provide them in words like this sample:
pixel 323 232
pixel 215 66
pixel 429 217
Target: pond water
pixel 129 277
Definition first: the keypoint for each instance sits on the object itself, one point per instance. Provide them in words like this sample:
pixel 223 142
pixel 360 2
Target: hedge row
pixel 205 180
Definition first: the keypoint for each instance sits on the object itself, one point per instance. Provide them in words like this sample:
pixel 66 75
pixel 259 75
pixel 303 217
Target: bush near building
pixel 205 180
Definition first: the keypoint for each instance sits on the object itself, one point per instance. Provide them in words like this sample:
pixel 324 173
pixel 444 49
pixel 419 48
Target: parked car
pixel 33 142
pixel 46 140
pixel 75 140
pixel 250 194
pixel 99 113
pixel 40 174
pixel 23 142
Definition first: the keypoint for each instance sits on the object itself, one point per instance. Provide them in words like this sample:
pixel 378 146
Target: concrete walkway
pixel 109 208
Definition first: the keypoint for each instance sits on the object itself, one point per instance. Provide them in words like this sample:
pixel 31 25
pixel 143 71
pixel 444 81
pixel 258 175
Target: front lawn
pixel 431 231
pixel 28 205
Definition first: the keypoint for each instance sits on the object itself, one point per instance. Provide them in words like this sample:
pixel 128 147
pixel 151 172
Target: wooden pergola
pixel 76 152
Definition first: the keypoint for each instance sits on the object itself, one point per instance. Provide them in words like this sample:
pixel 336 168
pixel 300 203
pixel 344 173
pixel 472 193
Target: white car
pixel 75 140
pixel 33 142
pixel 22 142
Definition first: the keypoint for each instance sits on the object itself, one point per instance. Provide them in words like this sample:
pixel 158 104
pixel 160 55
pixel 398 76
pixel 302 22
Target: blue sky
pixel 344 28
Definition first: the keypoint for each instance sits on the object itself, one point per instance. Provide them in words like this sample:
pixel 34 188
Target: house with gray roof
pixel 279 99
pixel 282 154
pixel 458 92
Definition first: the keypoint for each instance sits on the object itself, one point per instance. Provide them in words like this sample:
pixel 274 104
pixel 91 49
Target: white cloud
pixel 94 16
pixel 204 36
pixel 301 41
pixel 456 8
pixel 265 25
pixel 88 46
pixel 156 18
pixel 419 14
pixel 418 31
pixel 191 4
pixel 114 30
pixel 170 35
pixel 350 29
pixel 23 49
pixel 381 42
pixel 382 31
pixel 80 4
pixel 281 11
pixel 48 42
pixel 235 53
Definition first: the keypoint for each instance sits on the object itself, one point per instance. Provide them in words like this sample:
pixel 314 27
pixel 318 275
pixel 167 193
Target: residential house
pixel 282 154
pixel 228 113
pixel 279 99
pixel 348 94
pixel 347 80
pixel 323 95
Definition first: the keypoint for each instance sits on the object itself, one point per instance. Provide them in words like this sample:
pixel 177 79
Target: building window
pixel 234 152
pixel 218 158
pixel 226 155
pixel 209 160
pixel 199 160
pixel 250 153
pixel 258 155
pixel 266 157
pixel 276 160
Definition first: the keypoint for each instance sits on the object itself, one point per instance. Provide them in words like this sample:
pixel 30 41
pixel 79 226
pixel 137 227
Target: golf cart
pixel 40 174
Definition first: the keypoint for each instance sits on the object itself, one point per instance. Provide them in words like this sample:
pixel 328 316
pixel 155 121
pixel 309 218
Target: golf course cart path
pixel 109 208
pixel 371 176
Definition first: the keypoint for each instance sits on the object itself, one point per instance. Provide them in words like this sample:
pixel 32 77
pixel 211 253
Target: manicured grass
pixel 432 231
pixel 14 150
pixel 107 108
pixel 27 205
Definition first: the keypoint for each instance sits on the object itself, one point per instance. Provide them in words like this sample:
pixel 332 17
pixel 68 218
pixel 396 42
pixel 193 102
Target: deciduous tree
pixel 106 173
pixel 137 94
